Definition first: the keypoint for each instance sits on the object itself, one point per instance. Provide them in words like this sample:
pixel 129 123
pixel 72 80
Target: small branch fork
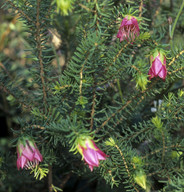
pixel 39 47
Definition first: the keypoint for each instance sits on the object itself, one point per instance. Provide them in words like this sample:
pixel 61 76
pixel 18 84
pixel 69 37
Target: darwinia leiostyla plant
pixel 28 153
pixel 158 65
pixel 129 29
pixel 91 154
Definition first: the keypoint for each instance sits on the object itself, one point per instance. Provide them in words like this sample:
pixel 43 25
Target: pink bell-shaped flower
pixel 90 152
pixel 129 29
pixel 28 154
pixel 158 66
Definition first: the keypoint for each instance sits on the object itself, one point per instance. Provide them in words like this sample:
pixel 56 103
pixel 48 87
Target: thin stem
pixel 81 75
pixel 93 109
pixel 176 20
pixel 21 12
pixel 50 178
pixel 38 39
pixel 163 142
pixel 140 8
pixel 118 54
pixel 119 89
pixel 176 57
pixel 126 165
pixel 170 29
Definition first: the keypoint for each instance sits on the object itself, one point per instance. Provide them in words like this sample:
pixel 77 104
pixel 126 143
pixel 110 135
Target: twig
pixel 86 8
pixel 81 75
pixel 119 89
pixel 118 54
pixel 93 106
pixel 81 79
pixel 64 181
pixel 38 39
pixel 50 178
pixel 163 149
pixel 35 126
pixel 174 58
pixel 159 150
pixel 126 166
pixel 133 66
pixel 140 8
pixel 136 134
pixel 93 109
pixel 21 12
pixel 179 69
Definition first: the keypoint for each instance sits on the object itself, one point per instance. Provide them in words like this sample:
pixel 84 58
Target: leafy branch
pixel 39 48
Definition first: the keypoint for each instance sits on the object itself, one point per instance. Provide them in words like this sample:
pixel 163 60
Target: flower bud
pixel 64 6
pixel 169 20
pixel 141 81
pixel 140 178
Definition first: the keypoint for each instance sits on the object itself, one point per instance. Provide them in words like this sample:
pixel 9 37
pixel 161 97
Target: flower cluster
pixel 28 154
pixel 128 30
pixel 90 152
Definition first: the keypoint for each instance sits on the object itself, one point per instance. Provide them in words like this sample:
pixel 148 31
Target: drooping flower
pixel 90 152
pixel 129 29
pixel 28 154
pixel 158 65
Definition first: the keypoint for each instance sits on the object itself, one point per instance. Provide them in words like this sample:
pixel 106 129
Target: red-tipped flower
pixel 158 66
pixel 129 29
pixel 28 154
pixel 90 152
